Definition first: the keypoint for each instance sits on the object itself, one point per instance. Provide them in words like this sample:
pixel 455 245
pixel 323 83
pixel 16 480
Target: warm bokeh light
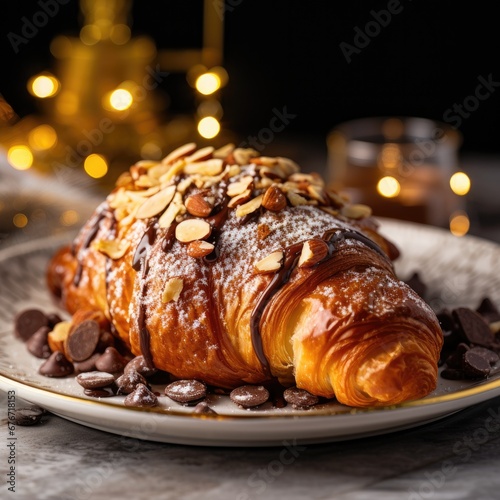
pixel 120 99
pixel 42 137
pixel 95 166
pixel 90 34
pixel 390 157
pixel 208 127
pixel 20 220
pixel 459 224
pixel 120 34
pixel 20 157
pixel 460 183
pixel 67 103
pixel 69 217
pixel 207 83
pixel 388 187
pixel 43 86
pixel 151 151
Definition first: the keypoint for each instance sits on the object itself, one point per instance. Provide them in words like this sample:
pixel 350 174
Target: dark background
pixel 286 53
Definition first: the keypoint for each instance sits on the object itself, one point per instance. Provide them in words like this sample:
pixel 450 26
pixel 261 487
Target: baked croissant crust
pixel 230 268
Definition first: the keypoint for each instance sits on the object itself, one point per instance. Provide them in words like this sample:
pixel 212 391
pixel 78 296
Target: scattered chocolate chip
pixel 56 365
pixel 202 408
pixel 106 339
pixel 475 366
pixel 88 365
pixel 456 358
pixel 186 391
pixel 473 326
pixel 416 283
pixel 99 393
pixel 489 355
pixel 110 361
pixel 139 365
pixel 27 322
pixel 446 320
pixel 82 340
pixel 300 399
pixel 488 310
pixel 95 380
pixel 53 319
pixel 38 344
pixel 129 381
pixel 141 397
pixel 452 374
pixel 28 416
pixel 249 396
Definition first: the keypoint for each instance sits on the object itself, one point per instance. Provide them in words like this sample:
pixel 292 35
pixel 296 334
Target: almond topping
pixel 136 171
pixel 124 180
pixel 263 231
pixel 270 264
pixel 114 249
pixel 242 156
pixel 172 290
pixel 171 212
pixel 313 251
pixel 223 152
pixel 296 199
pixel 356 211
pixel 185 150
pixel 201 154
pixel 197 205
pixel 198 249
pixel 317 193
pixel 236 188
pixel 156 204
pixel 266 161
pixel 208 167
pixel 192 229
pixel 274 199
pixel 249 207
pixel 58 335
pixel 288 166
pixel 240 199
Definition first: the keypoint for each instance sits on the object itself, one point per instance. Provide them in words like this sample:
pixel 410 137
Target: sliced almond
pixel 330 210
pixel 172 290
pixel 58 335
pixel 180 152
pixel 199 248
pixel 263 231
pixel 141 195
pixel 125 179
pixel 336 199
pixel 156 204
pixel 174 170
pixel 114 249
pixel 145 181
pixel 274 199
pixel 118 199
pixel 147 164
pixel 313 251
pixel 136 171
pixel 208 167
pixel 288 166
pixel 192 229
pixel 249 206
pixel 197 205
pixel 270 264
pixel 317 193
pixel 171 212
pixel 264 182
pixel 356 211
pixel 201 154
pixel 267 161
pixel 224 151
pixel 233 171
pixel 240 199
pixel 295 199
pixel 242 156
pixel 157 170
pixel 272 172
pixel 236 188
pixel 184 184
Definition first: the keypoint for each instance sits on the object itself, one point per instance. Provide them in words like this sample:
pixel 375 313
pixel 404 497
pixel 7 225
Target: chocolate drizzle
pixel 291 257
pixel 216 221
pixel 147 240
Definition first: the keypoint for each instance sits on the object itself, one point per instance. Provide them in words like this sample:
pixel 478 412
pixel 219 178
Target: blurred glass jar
pixel 400 166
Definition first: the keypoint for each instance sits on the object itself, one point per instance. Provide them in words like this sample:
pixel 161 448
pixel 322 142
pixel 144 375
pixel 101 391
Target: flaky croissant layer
pixel 232 268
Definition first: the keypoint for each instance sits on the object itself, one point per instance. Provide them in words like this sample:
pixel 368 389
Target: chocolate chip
pixel 56 366
pixel 488 310
pixel 186 391
pixel 249 396
pixel 416 283
pixel 28 416
pixel 106 339
pixel 475 366
pixel 202 408
pixel 139 365
pixel 452 374
pixel 53 319
pixel 473 326
pixel 300 398
pixel 82 340
pixel 27 322
pixel 456 358
pixel 99 393
pixel 95 380
pixel 38 344
pixel 141 397
pixel 110 361
pixel 490 356
pixel 129 381
pixel 88 365
pixel 446 320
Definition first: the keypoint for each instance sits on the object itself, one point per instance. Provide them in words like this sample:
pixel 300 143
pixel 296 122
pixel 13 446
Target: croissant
pixel 231 268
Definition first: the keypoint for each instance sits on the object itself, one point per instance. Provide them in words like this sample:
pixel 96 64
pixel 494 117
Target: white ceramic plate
pixel 458 271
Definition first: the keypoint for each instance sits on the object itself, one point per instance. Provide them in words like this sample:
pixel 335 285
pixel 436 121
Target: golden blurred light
pixel 69 217
pixel 67 103
pixel 120 34
pixel 208 127
pixel 208 83
pixel 222 74
pixel 61 47
pixel 388 186
pixel 151 151
pixel 459 223
pixel 43 86
pixel 460 183
pixel 95 166
pixel 121 99
pixel 42 137
pixel 90 34
pixel 20 220
pixel 390 157
pixel 210 107
pixel 20 157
